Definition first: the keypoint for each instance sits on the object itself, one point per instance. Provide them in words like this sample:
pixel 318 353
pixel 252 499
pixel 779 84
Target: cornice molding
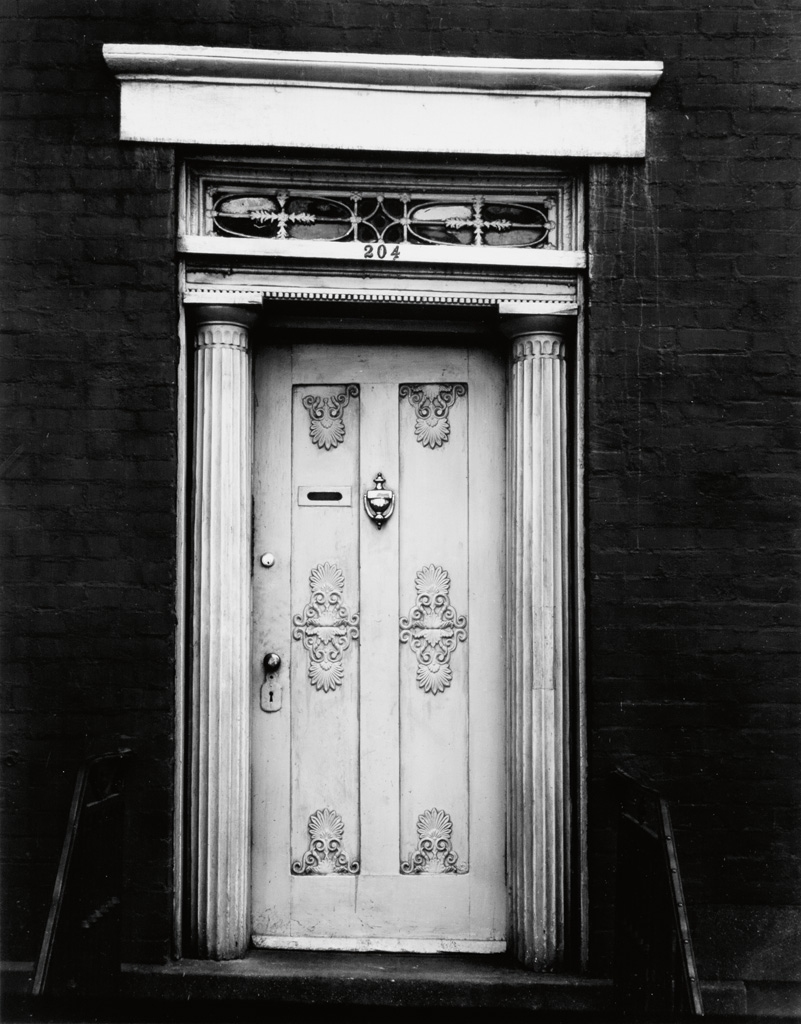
pixel 369 102
pixel 131 61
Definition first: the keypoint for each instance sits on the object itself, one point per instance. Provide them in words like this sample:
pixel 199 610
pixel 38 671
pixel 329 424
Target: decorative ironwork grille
pixel 385 218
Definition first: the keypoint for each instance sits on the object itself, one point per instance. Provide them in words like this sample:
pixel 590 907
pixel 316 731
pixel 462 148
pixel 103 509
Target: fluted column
pixel 539 640
pixel 220 742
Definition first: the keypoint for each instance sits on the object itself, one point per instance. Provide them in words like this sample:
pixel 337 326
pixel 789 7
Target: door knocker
pixel 379 502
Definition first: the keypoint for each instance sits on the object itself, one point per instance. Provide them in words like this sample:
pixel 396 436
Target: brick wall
pixel 693 481
pixel 89 436
pixel 692 572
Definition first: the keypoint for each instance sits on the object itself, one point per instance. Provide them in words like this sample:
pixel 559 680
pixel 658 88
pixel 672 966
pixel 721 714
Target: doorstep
pixel 389 980
pixel 444 980
pixel 370 979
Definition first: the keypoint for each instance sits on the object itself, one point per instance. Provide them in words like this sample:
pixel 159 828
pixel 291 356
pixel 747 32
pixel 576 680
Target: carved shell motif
pixel 433 629
pixel 432 404
pixel 325 627
pixel 326 426
pixel 434 854
pixel 325 855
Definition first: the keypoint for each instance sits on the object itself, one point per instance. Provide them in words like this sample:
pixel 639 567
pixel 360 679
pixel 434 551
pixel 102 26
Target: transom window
pixel 390 214
pixel 391 218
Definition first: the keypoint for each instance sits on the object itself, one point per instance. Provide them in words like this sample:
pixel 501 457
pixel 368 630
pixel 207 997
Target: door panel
pixel 434 680
pixel 378 785
pixel 324 677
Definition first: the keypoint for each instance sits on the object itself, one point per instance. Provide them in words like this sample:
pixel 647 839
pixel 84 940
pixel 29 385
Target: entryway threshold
pixel 408 980
pixel 290 982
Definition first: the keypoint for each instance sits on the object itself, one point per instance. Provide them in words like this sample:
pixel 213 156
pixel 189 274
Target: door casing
pixel 570 935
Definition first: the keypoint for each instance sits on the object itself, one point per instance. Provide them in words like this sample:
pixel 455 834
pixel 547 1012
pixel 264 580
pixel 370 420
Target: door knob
pixel 272 662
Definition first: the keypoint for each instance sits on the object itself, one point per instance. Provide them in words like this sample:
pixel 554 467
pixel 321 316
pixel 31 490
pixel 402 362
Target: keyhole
pixel 270 695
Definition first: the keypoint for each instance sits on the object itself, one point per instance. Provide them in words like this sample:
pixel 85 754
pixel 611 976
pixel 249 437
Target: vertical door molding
pixel 220 736
pixel 539 784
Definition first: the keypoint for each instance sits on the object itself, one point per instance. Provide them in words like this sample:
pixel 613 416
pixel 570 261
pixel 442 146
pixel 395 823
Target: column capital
pixel 219 327
pixel 537 334
pixel 233 316
pixel 514 325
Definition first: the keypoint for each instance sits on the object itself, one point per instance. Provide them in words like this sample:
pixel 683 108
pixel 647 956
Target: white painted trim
pixel 219 869
pixel 541 656
pixel 547 292
pixel 308 117
pixel 255 297
pixel 577 470
pixel 205 245
pixel 182 621
pixel 137 60
pixel 445 945
pixel 370 945
pixel 223 96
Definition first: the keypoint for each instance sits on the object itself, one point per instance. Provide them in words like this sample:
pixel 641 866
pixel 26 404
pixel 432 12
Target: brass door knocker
pixel 379 502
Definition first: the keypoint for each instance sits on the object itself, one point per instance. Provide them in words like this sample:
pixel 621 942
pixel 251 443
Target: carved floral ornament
pixel 434 854
pixel 325 855
pixel 433 629
pixel 325 627
pixel 326 426
pixel 432 404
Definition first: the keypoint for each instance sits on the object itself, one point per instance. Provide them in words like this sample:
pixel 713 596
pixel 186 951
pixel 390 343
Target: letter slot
pixel 323 496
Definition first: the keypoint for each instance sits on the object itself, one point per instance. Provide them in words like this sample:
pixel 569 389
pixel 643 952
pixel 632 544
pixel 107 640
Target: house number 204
pixel 381 252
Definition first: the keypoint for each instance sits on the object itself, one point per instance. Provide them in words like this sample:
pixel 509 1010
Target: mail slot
pixel 318 495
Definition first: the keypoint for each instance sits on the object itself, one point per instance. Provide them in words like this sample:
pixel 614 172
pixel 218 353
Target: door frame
pixel 212 97
pixel 548 889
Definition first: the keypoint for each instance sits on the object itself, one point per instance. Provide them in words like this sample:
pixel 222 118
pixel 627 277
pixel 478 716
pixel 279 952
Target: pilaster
pixel 539 650
pixel 220 741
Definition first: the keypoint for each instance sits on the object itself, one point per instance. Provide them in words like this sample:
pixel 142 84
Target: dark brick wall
pixel 89 443
pixel 691 466
pixel 693 485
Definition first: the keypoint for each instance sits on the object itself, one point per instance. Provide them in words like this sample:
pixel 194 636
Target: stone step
pixel 297 986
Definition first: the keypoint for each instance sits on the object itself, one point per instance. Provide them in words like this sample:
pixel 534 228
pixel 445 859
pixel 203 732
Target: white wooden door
pixel 378 745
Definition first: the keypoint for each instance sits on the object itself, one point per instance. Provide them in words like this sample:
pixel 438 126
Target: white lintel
pixel 552 259
pixel 243 97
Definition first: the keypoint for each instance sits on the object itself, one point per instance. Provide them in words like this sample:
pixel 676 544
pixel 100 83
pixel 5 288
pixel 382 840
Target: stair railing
pixel 80 951
pixel 654 968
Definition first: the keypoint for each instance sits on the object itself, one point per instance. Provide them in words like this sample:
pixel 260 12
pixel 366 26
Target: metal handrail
pixel 80 951
pixel 654 970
